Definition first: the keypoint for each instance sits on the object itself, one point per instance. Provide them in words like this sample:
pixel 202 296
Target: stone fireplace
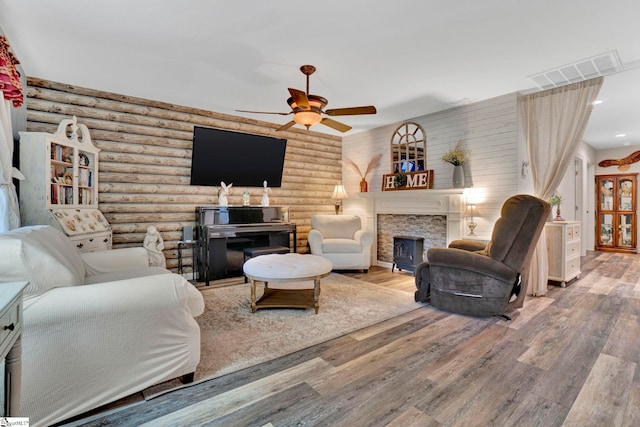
pixel 433 228
pixel 435 215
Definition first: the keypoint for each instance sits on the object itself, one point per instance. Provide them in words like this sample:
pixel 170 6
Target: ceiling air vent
pixel 599 65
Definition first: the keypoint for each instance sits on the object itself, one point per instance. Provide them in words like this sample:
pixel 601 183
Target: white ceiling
pixel 406 57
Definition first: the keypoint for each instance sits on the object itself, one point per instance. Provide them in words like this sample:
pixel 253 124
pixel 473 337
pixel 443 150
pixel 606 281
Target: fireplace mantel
pixel 425 202
pixel 449 202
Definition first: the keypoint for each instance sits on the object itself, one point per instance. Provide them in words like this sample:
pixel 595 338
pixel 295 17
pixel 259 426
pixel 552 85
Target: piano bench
pixel 263 250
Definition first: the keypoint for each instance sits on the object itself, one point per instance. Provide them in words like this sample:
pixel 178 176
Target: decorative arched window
pixel 408 148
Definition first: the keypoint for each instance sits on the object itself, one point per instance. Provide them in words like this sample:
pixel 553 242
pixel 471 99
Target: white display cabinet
pixel 61 184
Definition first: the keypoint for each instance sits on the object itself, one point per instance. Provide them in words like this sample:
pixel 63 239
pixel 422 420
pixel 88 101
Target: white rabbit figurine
pixel 223 193
pixel 265 194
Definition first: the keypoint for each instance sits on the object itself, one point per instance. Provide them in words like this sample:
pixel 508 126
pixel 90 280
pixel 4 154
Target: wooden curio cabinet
pixel 616 220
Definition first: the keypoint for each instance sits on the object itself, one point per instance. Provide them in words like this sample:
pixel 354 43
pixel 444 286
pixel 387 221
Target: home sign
pixel 408 181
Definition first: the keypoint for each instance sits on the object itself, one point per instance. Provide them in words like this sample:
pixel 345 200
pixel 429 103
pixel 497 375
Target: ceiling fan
pixel 308 109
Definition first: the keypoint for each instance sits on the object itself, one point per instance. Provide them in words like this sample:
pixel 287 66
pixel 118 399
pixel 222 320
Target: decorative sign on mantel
pixel 408 181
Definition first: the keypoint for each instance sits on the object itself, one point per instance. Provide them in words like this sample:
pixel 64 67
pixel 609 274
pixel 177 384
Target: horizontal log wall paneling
pixel 145 161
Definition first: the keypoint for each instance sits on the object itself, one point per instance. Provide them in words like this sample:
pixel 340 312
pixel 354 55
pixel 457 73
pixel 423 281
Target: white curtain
pixel 10 94
pixel 553 122
pixel 9 210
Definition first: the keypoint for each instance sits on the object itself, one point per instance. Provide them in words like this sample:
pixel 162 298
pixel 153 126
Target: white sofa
pixel 341 240
pixel 96 326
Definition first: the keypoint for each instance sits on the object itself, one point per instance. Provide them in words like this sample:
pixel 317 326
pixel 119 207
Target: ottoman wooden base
pixel 287 298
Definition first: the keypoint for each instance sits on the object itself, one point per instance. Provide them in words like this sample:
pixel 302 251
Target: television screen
pixel 236 158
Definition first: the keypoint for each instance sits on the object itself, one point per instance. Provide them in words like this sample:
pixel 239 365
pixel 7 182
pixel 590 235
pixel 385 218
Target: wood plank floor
pixel 567 359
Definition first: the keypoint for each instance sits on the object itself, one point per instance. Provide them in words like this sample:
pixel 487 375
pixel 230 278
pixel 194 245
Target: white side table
pixel 10 343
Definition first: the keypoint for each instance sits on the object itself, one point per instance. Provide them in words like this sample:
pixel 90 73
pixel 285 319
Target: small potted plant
pixel 457 157
pixel 555 200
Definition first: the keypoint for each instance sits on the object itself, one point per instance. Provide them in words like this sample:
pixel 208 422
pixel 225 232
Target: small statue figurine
pixel 154 245
pixel 265 194
pixel 223 193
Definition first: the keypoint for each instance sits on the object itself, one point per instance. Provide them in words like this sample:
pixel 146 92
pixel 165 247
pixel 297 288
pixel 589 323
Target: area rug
pixel 234 338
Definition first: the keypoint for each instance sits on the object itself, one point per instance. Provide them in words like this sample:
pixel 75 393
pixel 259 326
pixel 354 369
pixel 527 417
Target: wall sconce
pixel 524 169
pixel 471 212
pixel 339 193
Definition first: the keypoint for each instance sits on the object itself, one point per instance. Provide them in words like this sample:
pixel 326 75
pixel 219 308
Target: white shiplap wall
pixel 489 129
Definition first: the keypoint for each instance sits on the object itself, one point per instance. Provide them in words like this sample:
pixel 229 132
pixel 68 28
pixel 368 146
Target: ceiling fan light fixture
pixel 308 109
pixel 307 118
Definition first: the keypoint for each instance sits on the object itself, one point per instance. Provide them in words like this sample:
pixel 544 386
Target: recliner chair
pixel 470 277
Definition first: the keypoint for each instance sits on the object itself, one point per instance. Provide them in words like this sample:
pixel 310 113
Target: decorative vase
pixel 458 176
pixel 364 186
pixel 558 217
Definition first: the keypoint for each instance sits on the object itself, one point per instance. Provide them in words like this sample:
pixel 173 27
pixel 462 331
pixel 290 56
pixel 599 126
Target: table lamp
pixel 472 211
pixel 339 193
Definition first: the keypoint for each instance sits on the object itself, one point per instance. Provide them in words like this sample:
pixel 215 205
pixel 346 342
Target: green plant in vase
pixel 555 200
pixel 457 157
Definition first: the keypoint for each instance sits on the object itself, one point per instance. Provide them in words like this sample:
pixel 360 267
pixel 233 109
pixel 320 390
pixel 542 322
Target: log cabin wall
pixel 145 161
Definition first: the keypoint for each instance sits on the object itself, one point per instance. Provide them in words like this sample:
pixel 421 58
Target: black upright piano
pixel 223 232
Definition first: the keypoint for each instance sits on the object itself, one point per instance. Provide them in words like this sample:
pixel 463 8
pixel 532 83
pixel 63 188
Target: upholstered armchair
pixel 97 326
pixel 470 277
pixel 341 239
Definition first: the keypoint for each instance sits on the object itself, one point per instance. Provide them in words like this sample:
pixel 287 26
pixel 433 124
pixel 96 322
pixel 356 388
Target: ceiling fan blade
pixel 336 125
pixel 264 112
pixel 300 98
pixel 286 126
pixel 369 109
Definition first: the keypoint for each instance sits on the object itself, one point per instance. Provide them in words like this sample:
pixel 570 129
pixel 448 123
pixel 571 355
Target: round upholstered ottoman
pixel 286 268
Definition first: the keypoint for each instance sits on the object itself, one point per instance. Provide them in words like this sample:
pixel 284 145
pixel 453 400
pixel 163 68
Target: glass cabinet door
pixel 625 229
pixel 625 195
pixel 606 229
pixel 606 195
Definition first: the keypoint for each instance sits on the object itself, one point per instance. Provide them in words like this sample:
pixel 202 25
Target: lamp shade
pixel 339 192
pixel 471 211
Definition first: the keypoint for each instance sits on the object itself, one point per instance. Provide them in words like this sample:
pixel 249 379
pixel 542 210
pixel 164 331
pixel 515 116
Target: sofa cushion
pixel 113 260
pixel 42 255
pixel 336 226
pixel 131 273
pixel 342 246
pixel 193 295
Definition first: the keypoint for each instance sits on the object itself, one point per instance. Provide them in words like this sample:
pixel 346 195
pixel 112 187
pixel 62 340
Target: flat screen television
pixel 241 159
